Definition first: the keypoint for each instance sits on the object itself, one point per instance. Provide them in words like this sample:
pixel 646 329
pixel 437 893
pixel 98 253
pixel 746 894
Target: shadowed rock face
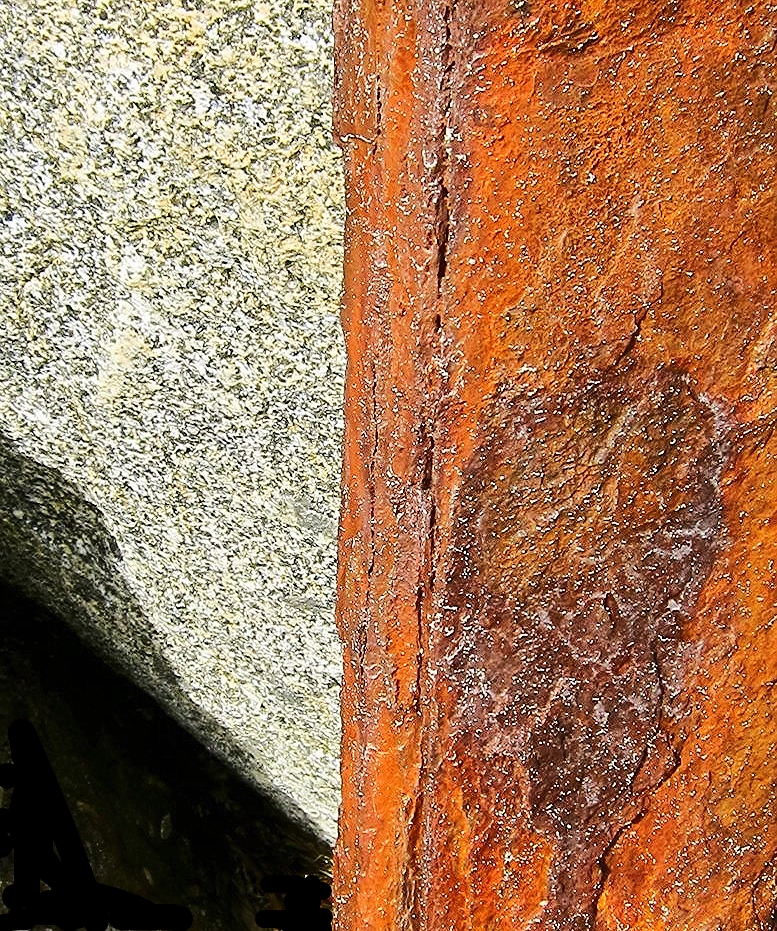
pixel 57 547
pixel 171 360
pixel 158 815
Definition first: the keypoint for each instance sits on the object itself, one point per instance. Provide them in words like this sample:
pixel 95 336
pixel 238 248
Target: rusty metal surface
pixel 557 535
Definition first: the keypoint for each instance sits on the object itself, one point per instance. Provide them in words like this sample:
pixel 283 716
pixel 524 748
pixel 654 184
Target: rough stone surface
pixel 171 361
pixel 158 815
pixel 557 546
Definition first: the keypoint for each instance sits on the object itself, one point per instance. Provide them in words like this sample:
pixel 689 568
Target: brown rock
pixel 558 534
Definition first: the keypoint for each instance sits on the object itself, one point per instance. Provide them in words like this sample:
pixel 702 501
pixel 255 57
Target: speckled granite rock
pixel 171 367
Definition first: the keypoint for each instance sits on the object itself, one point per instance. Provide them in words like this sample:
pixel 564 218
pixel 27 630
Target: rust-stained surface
pixel 559 531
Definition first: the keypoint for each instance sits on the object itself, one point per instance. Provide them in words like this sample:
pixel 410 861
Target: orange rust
pixel 557 545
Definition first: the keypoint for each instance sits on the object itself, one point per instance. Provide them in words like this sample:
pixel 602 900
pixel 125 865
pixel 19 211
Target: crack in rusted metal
pixel 772 918
pixel 639 316
pixel 412 892
pixel 442 236
pixel 442 210
pixel 576 39
pixel 410 885
pixel 604 867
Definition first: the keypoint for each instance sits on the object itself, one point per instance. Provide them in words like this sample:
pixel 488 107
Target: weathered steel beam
pixel 559 531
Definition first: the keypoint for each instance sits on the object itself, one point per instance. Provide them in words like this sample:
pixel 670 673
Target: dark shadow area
pixel 158 815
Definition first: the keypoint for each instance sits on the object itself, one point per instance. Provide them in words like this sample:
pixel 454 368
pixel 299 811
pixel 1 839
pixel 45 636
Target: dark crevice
pixel 573 39
pixel 442 209
pixel 426 481
pixel 604 868
pixel 639 317
pixel 611 608
pixel 676 755
pixel 412 905
pixel 632 340
pixel 442 238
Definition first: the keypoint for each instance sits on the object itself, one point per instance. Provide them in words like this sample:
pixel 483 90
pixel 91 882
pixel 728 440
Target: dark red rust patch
pixel 585 528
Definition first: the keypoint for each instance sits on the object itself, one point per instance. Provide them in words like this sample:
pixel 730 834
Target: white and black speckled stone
pixel 172 363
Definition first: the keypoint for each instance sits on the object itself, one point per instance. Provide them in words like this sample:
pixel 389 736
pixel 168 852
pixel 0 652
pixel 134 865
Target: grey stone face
pixel 172 363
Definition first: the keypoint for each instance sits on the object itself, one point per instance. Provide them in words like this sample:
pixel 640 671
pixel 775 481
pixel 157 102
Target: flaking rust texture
pixel 556 583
